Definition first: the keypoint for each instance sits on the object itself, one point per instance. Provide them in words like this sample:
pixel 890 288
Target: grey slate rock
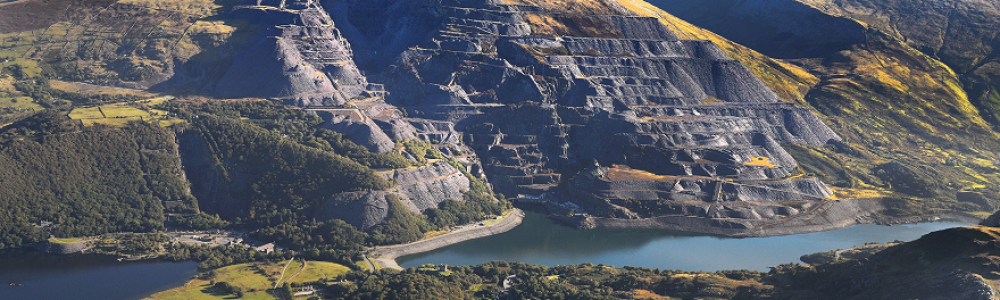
pixel 357 126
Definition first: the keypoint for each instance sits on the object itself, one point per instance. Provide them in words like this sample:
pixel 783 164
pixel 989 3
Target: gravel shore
pixel 386 257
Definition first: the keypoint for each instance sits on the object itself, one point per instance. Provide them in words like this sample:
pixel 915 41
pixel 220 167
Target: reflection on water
pixel 37 275
pixel 539 240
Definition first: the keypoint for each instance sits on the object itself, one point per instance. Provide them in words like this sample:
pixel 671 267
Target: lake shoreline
pixel 829 215
pixel 540 240
pixel 386 257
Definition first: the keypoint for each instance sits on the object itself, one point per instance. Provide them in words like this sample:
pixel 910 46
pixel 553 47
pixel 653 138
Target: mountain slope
pixel 890 101
pixel 962 34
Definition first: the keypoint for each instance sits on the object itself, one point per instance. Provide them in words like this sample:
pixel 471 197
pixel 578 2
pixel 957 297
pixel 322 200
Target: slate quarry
pixel 603 111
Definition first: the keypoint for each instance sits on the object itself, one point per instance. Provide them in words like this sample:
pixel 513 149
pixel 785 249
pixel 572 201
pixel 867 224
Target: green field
pixel 111 111
pixel 64 240
pixel 254 279
pixel 120 114
pixel 316 270
pixel 86 113
pixel 19 102
pixel 91 89
pixel 110 121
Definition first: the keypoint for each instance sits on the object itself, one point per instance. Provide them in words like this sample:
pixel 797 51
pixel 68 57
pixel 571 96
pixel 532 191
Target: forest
pixel 273 163
pixel 585 282
pixel 272 166
pixel 59 178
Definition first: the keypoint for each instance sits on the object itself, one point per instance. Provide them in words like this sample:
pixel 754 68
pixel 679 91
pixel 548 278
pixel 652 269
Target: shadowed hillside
pixel 887 99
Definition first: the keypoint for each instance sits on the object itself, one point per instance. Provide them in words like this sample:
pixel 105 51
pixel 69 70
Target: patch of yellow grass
pixel 251 276
pixel 760 161
pixel 91 89
pixel 123 112
pixel 120 114
pixel 86 113
pixel 245 276
pixel 645 294
pixel 981 214
pixel 192 7
pixel 64 240
pixel 210 27
pixel 840 193
pixel 623 173
pixel 170 122
pixel 317 270
pixel 582 7
pixel 198 289
pixel 790 82
pixel 110 121
pixel 571 25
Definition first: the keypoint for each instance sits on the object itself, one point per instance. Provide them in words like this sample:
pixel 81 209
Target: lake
pixel 37 275
pixel 539 240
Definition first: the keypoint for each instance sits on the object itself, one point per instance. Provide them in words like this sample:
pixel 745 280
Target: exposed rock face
pixel 540 91
pixel 992 221
pixel 361 209
pixel 361 129
pixel 62 248
pixel 426 187
pixel 417 188
pixel 299 56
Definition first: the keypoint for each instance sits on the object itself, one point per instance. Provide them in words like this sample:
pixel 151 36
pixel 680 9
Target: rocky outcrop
pixel 992 221
pixel 425 187
pixel 58 248
pixel 299 56
pixel 361 209
pixel 538 92
pixel 358 127
pixel 418 188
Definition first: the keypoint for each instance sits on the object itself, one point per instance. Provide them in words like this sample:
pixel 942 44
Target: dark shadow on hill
pixel 199 74
pixel 379 30
pixel 781 29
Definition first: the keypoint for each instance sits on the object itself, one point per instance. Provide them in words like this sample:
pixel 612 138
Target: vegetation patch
pixel 571 25
pixel 624 173
pixel 760 161
pixel 64 240
pixel 579 7
pixel 121 114
pixel 103 169
pixel 91 89
pixel 252 280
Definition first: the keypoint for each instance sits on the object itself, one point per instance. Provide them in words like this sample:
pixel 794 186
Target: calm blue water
pixel 540 241
pixel 37 275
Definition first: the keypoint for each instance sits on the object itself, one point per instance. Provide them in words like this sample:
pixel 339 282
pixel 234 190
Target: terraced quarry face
pixel 540 90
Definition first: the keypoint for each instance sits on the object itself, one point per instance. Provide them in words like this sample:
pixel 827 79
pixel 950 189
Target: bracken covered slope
pixel 890 101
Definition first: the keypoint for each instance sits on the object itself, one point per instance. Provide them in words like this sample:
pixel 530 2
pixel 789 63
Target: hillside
pixel 386 120
pixel 958 263
pixel 888 100
pixel 334 126
pixel 60 179
pixel 962 34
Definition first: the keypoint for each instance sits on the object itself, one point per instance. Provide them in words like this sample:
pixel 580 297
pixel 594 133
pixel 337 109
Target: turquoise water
pixel 37 275
pixel 538 240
